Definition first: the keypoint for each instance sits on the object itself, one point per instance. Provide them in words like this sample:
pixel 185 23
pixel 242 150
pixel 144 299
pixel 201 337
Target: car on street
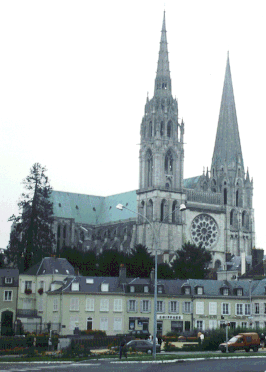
pixel 142 345
pixel 144 335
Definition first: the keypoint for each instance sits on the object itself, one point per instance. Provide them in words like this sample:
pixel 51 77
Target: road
pixel 233 365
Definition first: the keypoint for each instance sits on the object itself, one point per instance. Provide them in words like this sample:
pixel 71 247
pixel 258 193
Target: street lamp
pixel 156 236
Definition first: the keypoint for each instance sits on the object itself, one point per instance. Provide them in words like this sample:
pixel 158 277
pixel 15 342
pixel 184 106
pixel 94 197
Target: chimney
pixel 264 267
pixel 243 263
pixel 122 273
pixel 152 275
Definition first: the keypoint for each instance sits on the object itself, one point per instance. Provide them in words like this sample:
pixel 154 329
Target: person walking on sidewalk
pixel 122 349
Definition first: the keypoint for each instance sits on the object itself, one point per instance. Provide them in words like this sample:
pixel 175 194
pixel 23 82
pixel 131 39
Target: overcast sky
pixel 74 77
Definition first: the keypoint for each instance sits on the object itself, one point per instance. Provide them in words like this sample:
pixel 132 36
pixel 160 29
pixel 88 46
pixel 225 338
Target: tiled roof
pixel 9 273
pixel 51 265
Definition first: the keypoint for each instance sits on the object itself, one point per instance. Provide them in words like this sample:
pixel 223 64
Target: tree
pixel 109 261
pixel 164 271
pixel 139 262
pixel 191 262
pixel 33 228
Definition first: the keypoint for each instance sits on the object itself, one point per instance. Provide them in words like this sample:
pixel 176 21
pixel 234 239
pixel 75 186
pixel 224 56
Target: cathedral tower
pixel 228 174
pixel 161 159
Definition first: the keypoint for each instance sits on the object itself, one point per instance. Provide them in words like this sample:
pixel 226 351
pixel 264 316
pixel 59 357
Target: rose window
pixel 204 230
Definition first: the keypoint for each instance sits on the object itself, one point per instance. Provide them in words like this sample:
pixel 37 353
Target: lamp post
pixel 156 236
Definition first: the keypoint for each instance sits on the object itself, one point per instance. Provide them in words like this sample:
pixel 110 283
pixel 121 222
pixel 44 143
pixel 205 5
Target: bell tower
pixel 161 156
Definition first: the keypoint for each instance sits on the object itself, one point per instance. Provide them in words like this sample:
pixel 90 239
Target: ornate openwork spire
pixel 227 150
pixel 163 80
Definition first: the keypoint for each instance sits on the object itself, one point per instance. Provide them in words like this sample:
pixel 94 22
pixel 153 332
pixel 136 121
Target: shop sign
pixel 171 317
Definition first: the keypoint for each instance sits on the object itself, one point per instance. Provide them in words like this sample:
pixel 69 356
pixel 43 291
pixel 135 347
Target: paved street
pixel 255 364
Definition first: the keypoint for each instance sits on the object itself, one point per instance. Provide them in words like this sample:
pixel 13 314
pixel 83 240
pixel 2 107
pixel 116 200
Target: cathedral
pixel 218 213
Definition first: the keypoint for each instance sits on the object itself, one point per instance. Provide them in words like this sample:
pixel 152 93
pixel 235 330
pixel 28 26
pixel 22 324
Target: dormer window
pixel 225 291
pixel 8 280
pixel 146 289
pixel 132 289
pixel 160 289
pixel 89 280
pixel 75 287
pixel 105 287
pixel 200 290
pixel 187 290
pixel 239 292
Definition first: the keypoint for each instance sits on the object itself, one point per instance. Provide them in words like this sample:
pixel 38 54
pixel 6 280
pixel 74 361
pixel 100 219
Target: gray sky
pixel 74 77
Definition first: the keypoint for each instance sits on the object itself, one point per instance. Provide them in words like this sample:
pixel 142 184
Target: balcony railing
pixel 27 312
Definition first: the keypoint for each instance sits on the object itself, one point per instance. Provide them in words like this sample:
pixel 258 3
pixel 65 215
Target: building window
pixel 131 305
pixel 160 289
pixel 118 305
pixel 160 307
pixel 173 307
pixel 89 324
pixel 132 288
pixel 244 324
pixel 200 308
pixel 213 308
pixel 75 287
pixel 8 295
pixel 149 168
pixel 104 305
pixel 40 305
pixel 247 309
pixel 239 309
pixel 28 285
pixel 225 292
pixel 131 325
pixel 200 325
pixel 8 280
pixel 117 324
pixel 225 309
pixel 145 305
pixel 90 304
pixel 55 304
pixel 168 163
pixel 187 307
pixel 187 290
pixel 146 289
pixel 257 325
pixel 104 324
pixel 105 287
pixel 257 308
pixel 74 304
pixel 239 292
pixel 200 291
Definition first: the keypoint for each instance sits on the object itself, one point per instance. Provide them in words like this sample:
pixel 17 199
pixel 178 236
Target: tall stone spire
pixel 163 80
pixel 227 150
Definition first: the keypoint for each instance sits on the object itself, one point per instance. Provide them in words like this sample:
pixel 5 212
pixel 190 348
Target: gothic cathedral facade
pixel 219 213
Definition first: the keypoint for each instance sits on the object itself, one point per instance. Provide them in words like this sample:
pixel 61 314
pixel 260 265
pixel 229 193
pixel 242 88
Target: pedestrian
pixel 150 338
pixel 262 340
pixel 202 337
pixel 122 349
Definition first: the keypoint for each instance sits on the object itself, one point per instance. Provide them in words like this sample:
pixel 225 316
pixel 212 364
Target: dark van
pixel 243 341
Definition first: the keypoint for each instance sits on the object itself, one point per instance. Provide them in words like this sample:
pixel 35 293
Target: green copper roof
pixel 91 209
pixel 191 183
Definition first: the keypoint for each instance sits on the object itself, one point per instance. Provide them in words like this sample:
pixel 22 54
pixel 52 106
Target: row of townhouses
pixel 50 295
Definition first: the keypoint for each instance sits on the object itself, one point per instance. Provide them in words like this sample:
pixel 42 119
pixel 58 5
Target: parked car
pixel 142 345
pixel 144 335
pixel 243 341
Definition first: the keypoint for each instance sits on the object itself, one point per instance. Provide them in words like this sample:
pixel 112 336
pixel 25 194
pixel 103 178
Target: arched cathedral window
pixel 175 212
pixel 169 129
pixel 225 196
pixel 233 218
pixel 150 210
pixel 213 186
pixel 150 129
pixel 245 220
pixel 162 129
pixel 168 162
pixel 149 161
pixel 163 210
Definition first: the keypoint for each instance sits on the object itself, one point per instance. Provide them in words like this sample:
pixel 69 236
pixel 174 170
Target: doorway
pixel 7 323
